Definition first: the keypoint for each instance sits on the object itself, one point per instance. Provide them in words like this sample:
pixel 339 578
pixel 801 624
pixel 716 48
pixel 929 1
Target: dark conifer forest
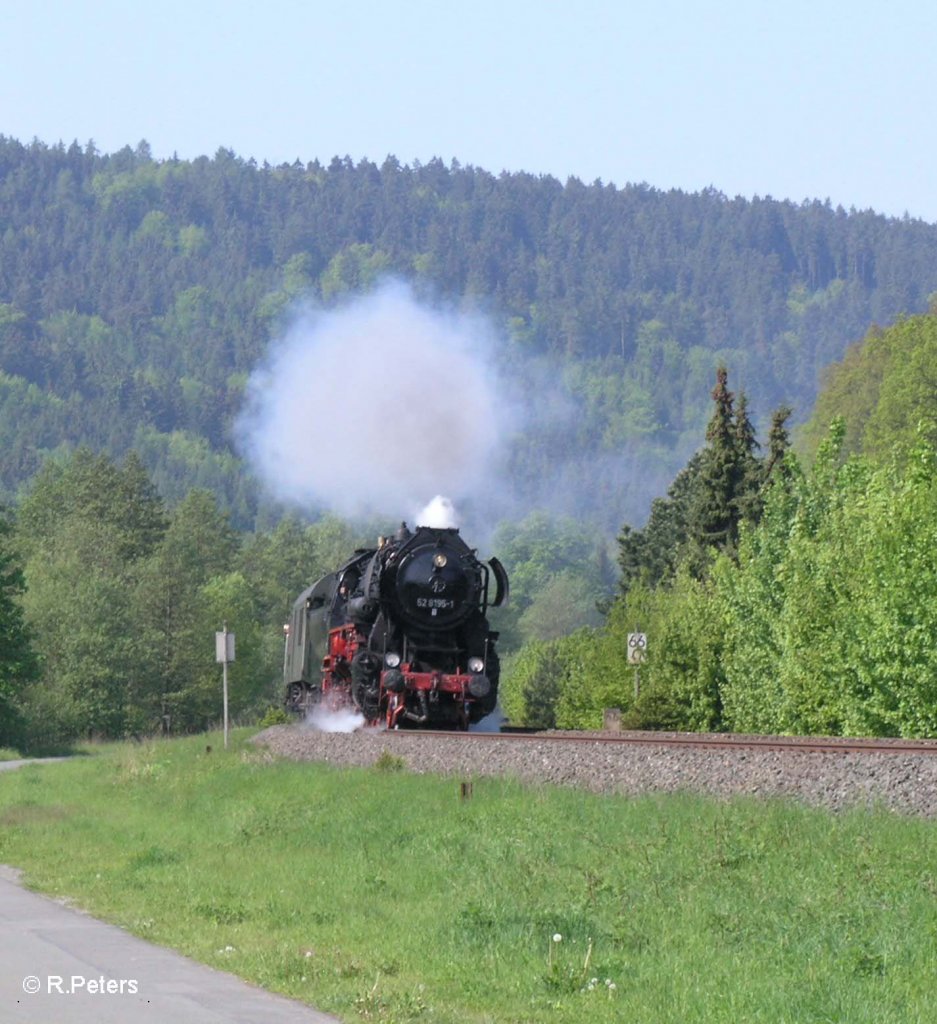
pixel 137 294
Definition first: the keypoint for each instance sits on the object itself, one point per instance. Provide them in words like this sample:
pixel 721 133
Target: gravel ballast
pixel 904 783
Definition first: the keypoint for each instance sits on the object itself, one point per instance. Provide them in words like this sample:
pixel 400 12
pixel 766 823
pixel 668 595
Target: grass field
pixel 382 896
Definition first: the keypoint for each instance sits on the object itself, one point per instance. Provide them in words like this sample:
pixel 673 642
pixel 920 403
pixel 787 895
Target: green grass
pixel 379 895
pixel 6 754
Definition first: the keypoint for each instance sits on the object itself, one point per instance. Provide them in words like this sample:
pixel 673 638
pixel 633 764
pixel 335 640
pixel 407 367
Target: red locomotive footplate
pixel 429 681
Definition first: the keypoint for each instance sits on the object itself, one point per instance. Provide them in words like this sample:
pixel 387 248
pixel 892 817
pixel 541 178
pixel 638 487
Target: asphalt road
pixel 61 966
pixel 8 765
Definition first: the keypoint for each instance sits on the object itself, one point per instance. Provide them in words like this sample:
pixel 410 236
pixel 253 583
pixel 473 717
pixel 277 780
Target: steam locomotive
pixel 400 632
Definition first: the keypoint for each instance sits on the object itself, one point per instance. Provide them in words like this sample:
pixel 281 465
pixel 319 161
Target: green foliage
pixel 355 269
pixel 255 678
pixel 651 555
pixel 93 489
pixel 531 683
pixel 179 603
pixel 123 600
pixel 681 678
pixel 676 687
pixel 559 573
pixel 593 655
pixel 884 389
pixel 820 621
pixel 388 762
pixel 751 600
pixel 78 606
pixel 18 666
pixel 830 612
pixel 563 604
pixel 776 466
pixel 274 715
pixel 885 583
pixel 722 485
pixel 280 563
pixel 714 513
pixel 85 527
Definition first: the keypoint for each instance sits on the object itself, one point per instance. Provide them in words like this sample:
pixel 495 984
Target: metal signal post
pixel 224 653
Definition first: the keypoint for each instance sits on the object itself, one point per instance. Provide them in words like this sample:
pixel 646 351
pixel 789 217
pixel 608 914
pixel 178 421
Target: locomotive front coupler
pixel 424 709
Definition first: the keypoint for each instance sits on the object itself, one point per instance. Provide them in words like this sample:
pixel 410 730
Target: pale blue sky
pixel 790 98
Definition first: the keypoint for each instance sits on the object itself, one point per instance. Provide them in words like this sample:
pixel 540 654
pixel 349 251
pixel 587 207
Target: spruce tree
pixel 748 502
pixel 779 443
pixel 719 487
pixel 714 517
pixel 651 555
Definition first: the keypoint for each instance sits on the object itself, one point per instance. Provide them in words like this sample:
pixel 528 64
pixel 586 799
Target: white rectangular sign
pixel 223 654
pixel 637 648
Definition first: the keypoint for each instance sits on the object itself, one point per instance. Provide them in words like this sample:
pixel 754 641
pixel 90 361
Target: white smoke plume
pixel 334 719
pixel 439 513
pixel 375 407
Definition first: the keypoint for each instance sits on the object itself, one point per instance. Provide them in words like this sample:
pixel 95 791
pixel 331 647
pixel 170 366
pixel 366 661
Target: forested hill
pixel 136 295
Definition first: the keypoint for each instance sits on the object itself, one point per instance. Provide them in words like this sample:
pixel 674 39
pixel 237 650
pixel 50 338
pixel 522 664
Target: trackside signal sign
pixel 637 648
pixel 224 647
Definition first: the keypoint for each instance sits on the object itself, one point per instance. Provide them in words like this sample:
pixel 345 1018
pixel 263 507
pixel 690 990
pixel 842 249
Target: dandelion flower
pixel 557 937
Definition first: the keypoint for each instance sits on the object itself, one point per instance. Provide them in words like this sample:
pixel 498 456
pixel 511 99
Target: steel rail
pixel 715 741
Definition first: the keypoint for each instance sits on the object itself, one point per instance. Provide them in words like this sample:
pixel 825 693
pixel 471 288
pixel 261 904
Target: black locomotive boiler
pixel 400 632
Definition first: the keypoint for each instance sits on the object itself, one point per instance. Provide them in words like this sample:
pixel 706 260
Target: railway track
pixel 854 772
pixel 712 741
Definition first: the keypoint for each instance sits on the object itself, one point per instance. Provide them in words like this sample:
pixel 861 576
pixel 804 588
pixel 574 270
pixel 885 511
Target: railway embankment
pixel 904 781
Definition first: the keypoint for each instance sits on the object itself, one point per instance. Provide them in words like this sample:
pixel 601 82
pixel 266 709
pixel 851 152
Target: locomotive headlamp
pixel 439 559
pixel 391 659
pixel 475 664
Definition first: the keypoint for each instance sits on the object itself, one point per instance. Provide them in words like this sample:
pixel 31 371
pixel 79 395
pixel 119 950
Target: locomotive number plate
pixel 435 602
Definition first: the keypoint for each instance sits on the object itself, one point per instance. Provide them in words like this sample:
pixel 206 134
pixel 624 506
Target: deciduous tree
pixel 18 663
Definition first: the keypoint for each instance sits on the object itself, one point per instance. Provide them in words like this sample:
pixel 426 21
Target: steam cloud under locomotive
pixel 400 631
